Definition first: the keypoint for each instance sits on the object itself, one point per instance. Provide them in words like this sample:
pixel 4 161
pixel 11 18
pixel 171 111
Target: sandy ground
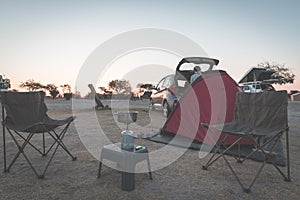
pixel 183 179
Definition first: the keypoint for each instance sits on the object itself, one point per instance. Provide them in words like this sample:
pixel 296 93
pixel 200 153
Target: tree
pixel 112 84
pixel 282 73
pixel 31 85
pixel 120 86
pixel 139 85
pixel 52 89
pixel 147 86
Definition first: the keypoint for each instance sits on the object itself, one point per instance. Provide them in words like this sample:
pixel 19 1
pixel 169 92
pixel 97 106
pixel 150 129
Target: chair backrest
pixel 262 112
pixel 24 108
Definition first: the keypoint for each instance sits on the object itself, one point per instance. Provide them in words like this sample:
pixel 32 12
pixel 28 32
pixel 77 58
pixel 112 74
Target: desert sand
pixel 182 179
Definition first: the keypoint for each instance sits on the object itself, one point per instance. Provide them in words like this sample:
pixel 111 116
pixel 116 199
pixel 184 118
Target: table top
pixel 117 148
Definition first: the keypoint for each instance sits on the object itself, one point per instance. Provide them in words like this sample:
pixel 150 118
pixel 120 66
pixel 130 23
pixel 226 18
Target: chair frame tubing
pixel 4 144
pixel 259 147
pixel 57 140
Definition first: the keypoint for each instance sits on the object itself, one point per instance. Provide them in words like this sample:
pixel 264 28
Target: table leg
pixel 99 169
pixel 128 181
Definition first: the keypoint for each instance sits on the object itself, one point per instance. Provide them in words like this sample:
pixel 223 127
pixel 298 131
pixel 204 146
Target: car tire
pixel 166 109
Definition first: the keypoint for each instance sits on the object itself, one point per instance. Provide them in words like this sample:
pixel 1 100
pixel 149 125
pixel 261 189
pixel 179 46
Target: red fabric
pixel 210 99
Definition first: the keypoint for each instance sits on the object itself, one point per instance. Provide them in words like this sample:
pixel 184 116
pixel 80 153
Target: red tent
pixel 210 99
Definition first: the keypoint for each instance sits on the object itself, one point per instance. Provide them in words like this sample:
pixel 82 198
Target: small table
pixel 127 160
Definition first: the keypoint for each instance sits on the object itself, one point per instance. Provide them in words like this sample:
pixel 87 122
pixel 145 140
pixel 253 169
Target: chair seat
pixel 42 126
pixel 242 130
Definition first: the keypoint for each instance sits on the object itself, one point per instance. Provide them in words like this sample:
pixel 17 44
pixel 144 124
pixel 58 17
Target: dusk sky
pixel 49 41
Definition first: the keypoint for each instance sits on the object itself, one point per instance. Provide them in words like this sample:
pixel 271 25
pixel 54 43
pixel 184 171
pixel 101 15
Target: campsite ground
pixel 182 179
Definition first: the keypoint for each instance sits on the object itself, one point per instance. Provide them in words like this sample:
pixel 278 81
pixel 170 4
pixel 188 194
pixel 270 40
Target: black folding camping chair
pixel 262 119
pixel 24 114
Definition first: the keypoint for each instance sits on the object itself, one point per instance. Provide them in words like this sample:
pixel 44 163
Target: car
pixel 3 84
pixel 144 91
pixel 163 96
pixel 257 86
pixel 185 69
pixel 170 88
pixel 258 80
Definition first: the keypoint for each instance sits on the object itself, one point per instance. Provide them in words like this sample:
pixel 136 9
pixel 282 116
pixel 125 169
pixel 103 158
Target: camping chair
pixel 97 98
pixel 262 119
pixel 26 115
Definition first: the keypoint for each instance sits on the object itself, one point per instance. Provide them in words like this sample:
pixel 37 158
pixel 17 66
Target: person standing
pixel 197 73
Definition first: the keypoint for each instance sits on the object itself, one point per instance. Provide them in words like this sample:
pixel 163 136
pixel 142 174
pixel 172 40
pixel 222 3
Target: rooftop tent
pixel 210 99
pixel 257 74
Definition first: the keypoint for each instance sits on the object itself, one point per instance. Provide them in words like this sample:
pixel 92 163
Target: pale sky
pixel 49 41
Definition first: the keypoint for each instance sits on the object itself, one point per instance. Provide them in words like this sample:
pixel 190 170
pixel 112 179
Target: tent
pixel 209 99
pixel 257 74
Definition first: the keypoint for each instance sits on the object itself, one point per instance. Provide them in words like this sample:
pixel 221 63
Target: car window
pixel 168 81
pixel 190 66
pixel 160 85
pixel 246 88
pixel 257 87
pixel 187 66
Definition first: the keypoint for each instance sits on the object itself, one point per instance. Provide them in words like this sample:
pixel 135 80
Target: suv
pixel 171 87
pixel 257 86
pixel 258 80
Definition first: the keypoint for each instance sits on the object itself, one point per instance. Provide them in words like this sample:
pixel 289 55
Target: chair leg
pixel 218 149
pixel 247 190
pixel 52 156
pixel 4 147
pixel 267 157
pixel 239 160
pixel 212 160
pixel 272 161
pixel 4 142
pixel 29 143
pixel 61 136
pixel 20 148
pixel 50 148
pixel 288 179
pixel 44 146
pixel 58 139
pixel 222 154
pixel 21 151
pixel 99 169
pixel 149 168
